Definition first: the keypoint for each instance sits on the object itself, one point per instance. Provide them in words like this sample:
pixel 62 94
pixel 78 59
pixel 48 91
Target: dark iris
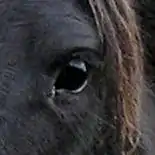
pixel 71 78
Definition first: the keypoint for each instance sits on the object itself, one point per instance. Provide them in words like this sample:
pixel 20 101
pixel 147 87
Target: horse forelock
pixel 117 26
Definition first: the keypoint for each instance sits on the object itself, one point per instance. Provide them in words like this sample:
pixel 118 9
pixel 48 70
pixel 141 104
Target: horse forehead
pixel 67 25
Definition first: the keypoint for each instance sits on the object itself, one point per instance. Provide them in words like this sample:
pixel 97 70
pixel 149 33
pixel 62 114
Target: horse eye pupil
pixel 71 78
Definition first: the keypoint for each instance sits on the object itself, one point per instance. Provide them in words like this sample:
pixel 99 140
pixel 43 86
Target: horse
pixel 72 79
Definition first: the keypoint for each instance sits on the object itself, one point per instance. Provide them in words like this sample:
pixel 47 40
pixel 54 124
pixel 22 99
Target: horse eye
pixel 73 77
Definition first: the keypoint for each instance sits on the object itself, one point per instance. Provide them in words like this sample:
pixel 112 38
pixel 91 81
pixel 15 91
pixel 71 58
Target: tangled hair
pixel 117 27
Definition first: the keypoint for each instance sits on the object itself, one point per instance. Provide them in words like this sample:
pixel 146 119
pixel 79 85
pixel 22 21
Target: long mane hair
pixel 117 27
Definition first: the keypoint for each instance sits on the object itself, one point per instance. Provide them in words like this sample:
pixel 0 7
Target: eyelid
pixel 90 56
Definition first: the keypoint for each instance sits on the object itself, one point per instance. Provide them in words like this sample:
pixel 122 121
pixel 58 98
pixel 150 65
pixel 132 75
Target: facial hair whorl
pixel 116 24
